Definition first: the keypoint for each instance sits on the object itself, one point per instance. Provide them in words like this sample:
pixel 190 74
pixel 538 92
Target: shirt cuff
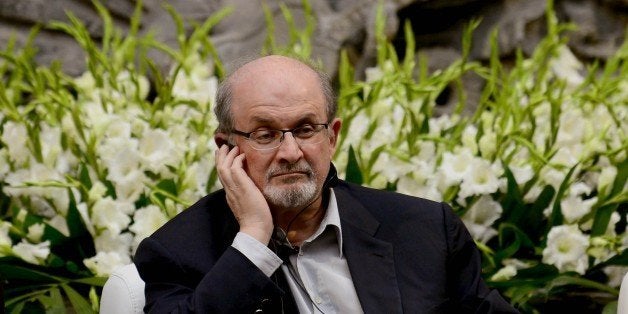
pixel 259 254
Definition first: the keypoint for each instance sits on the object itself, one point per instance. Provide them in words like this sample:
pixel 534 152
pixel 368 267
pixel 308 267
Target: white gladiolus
pixel 114 149
pixel 566 249
pixel 615 275
pixel 409 186
pixel 39 195
pixel 481 178
pixel 505 273
pixel 455 166
pixel 567 67
pixel 522 174
pixel 480 216
pixel 130 187
pixel 118 128
pixel 15 136
pixel 570 129
pixel 488 144
pixel 606 178
pixel 4 163
pixel 109 241
pixel 145 221
pixel 105 262
pixel 35 232
pixel 32 253
pixel 84 212
pixel 96 192
pixel 60 223
pixel 469 140
pixel 553 176
pixel 5 240
pixel 373 74
pixel 112 214
pixel 574 207
pixel 157 151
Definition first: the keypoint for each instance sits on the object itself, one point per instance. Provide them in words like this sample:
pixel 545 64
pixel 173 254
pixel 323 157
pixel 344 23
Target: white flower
pixel 118 128
pixel 570 130
pixel 566 249
pixel 568 156
pixel 146 221
pixel 488 144
pixel 574 207
pixel 84 212
pixel 469 136
pixel 157 151
pixel 606 178
pixel 4 162
pixel 480 216
pixel 60 223
pixel 482 177
pixel 615 275
pixel 5 240
pixel 130 187
pixel 35 232
pixel 410 186
pixel 454 167
pixel 566 66
pixel 108 241
pixel 15 136
pixel 522 174
pixel 373 74
pixel 97 191
pixel 40 196
pixel 111 214
pixel 505 273
pixel 105 262
pixel 553 176
pixel 32 253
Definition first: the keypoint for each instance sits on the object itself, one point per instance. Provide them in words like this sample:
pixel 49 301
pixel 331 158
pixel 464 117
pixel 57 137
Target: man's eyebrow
pixel 307 118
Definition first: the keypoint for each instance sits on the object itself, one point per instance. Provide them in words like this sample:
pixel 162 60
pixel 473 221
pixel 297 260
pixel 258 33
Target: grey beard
pixel 291 197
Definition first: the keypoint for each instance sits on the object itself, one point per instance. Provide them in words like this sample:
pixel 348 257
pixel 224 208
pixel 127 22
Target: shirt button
pixel 318 300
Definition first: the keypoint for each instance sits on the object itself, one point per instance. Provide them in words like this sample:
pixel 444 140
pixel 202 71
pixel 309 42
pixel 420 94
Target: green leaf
pixel 9 271
pixel 565 280
pixel 556 217
pixel 168 185
pixel 92 281
pixel 79 304
pixel 57 305
pixel 353 174
pixel 610 308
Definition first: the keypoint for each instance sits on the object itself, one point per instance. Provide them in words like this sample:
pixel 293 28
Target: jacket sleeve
pixel 464 272
pixel 232 285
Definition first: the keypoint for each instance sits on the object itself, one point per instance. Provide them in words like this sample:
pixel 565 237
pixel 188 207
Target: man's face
pixel 283 94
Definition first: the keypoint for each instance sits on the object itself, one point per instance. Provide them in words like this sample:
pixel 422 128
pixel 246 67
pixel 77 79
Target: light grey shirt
pixel 318 275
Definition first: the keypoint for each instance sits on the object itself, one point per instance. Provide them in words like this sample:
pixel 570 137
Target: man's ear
pixel 334 127
pixel 222 139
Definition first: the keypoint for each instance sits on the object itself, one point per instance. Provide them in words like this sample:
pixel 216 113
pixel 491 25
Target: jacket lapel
pixel 370 259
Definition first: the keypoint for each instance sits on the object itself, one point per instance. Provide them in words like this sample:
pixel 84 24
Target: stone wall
pixel 342 24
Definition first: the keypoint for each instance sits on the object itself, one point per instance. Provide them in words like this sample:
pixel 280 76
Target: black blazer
pixel 405 254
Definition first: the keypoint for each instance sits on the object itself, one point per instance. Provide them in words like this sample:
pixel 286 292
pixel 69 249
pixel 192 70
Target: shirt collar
pixel 332 220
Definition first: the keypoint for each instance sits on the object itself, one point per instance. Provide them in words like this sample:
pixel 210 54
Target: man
pixel 286 236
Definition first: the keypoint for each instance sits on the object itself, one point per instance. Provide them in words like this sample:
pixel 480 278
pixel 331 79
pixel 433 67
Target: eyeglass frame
pixel 247 135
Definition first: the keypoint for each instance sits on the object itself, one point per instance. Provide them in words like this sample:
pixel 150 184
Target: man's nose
pixel 289 150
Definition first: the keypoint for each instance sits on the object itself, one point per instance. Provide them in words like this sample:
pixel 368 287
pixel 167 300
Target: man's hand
pixel 246 201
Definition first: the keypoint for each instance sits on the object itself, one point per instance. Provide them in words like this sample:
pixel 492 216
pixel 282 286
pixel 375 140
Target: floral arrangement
pixel 91 165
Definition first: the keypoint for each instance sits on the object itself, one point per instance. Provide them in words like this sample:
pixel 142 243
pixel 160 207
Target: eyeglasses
pixel 267 139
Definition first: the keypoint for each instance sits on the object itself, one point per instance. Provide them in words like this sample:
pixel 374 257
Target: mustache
pixel 303 167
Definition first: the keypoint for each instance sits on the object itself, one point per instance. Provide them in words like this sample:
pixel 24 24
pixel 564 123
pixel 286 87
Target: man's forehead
pixel 270 65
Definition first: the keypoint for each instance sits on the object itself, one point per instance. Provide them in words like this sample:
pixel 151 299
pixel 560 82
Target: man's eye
pixel 305 131
pixel 263 136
